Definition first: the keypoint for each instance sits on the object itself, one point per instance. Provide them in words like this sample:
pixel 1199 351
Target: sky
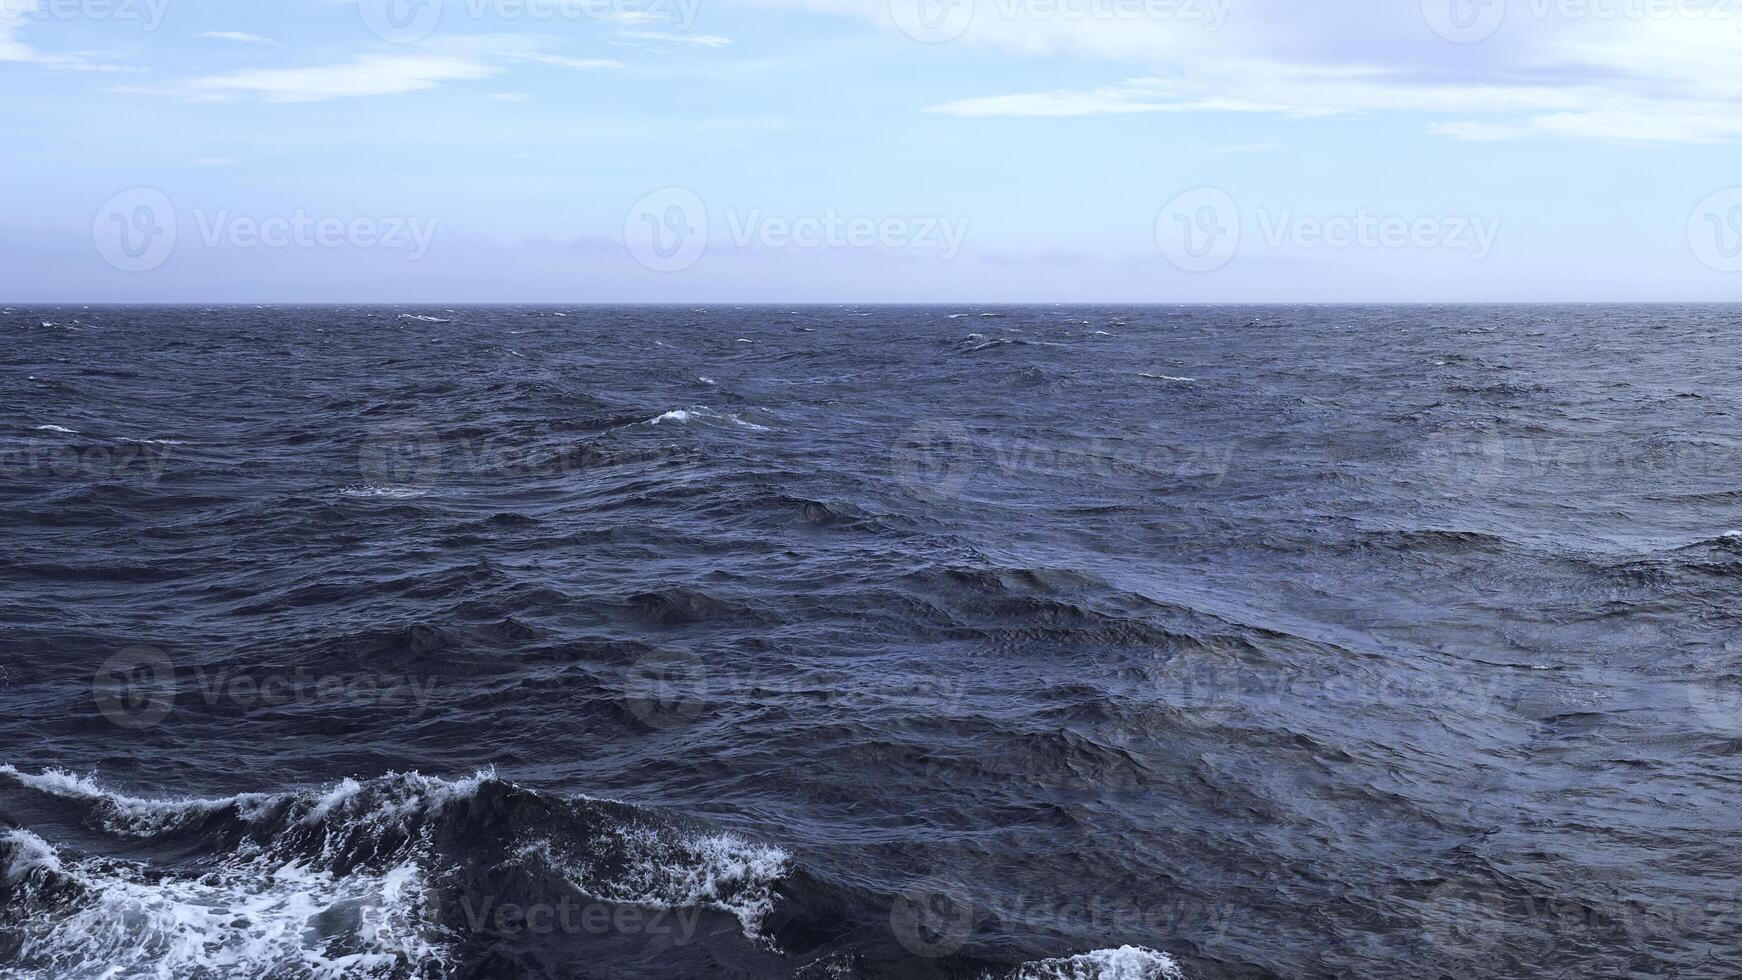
pixel 689 151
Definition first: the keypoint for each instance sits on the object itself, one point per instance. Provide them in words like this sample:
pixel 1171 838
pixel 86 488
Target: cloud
pixel 370 75
pixel 1569 70
pixel 237 36
pixel 667 37
pixel 459 60
pixel 13 14
pixel 559 61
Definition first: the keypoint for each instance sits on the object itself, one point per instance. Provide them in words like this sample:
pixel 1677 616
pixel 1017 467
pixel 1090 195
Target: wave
pixel 702 413
pixel 1124 963
pixel 362 877
pixel 393 493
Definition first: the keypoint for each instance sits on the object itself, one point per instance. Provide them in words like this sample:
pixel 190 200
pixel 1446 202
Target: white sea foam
pixel 396 796
pixel 394 493
pixel 425 319
pixel 264 910
pixel 664 870
pixel 1163 377
pixel 56 428
pixel 243 918
pixel 1124 963
pixel 702 413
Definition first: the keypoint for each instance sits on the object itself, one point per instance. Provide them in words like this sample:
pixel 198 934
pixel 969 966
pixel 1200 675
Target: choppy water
pixel 883 642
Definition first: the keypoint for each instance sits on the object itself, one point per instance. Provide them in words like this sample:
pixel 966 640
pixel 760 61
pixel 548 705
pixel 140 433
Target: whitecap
pixel 56 428
pixel 392 493
pixel 245 918
pixel 665 871
pixel 1124 963
pixel 704 413
pixel 425 319
pixel 1163 377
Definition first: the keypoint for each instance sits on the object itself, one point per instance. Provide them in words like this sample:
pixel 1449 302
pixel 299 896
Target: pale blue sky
pixel 815 150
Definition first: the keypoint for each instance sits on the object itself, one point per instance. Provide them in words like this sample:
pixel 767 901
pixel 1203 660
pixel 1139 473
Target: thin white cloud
pixel 1546 70
pixel 13 14
pixel 371 75
pixel 559 61
pixel 669 37
pixel 239 37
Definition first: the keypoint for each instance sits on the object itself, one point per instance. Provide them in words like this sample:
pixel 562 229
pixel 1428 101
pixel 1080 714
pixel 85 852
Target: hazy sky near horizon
pixel 867 150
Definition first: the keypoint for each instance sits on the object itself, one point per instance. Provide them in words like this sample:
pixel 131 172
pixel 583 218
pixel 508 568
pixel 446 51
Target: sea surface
pixel 871 642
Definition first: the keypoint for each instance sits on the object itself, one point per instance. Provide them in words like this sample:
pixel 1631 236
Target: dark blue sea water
pixel 1089 642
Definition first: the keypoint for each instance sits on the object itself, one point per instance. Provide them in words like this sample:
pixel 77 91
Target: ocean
pixel 1090 642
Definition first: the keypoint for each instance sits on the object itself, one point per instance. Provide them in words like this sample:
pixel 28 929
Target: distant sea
pixel 1113 643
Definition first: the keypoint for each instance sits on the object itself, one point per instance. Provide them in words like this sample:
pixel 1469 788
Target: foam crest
pixel 1124 963
pixel 660 869
pixel 242 918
